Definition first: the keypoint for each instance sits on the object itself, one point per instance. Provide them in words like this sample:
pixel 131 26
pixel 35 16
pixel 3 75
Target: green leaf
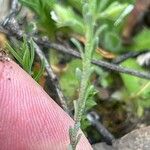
pixel 123 14
pixel 42 9
pixel 141 41
pixel 101 29
pixel 78 74
pixel 25 56
pixel 76 4
pixel 37 76
pixel 112 42
pixel 102 5
pixel 138 89
pixel 68 81
pixel 133 84
pixel 84 123
pixel 32 54
pixel 68 18
pixel 90 93
pixel 113 11
pixel 14 53
pixel 78 45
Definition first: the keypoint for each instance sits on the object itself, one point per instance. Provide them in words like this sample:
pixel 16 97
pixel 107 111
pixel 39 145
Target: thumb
pixel 29 118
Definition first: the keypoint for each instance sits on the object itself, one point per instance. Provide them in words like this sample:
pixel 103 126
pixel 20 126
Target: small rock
pixel 138 139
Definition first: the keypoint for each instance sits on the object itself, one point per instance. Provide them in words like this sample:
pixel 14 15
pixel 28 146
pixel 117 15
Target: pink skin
pixel 29 118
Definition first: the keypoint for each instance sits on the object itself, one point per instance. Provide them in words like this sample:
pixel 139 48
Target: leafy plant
pixel 66 17
pixel 90 103
pixel 137 89
pixel 68 81
pixel 25 54
pixel 42 9
pixel 91 44
pixel 141 41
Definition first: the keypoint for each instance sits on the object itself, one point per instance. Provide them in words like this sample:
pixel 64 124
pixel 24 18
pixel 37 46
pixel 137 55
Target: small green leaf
pixel 42 9
pixel 32 54
pixel 78 74
pixel 66 17
pixel 68 81
pixel 14 53
pixel 76 4
pixel 112 42
pixel 40 72
pixel 102 5
pixel 137 83
pixel 26 59
pixel 113 11
pixel 141 41
pixel 25 56
pixel 123 15
pixel 78 45
pixel 89 96
pixel 101 29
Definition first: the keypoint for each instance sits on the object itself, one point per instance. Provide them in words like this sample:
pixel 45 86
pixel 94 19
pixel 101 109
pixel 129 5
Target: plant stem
pixel 86 72
pixel 83 87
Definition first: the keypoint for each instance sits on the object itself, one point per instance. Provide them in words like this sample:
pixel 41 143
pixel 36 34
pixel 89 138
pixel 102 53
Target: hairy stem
pixel 86 72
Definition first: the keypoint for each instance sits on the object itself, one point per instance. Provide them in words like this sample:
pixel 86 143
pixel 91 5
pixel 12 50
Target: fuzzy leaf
pixel 68 18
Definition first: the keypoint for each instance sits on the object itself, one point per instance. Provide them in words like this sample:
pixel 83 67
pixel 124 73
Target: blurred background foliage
pixel 118 94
